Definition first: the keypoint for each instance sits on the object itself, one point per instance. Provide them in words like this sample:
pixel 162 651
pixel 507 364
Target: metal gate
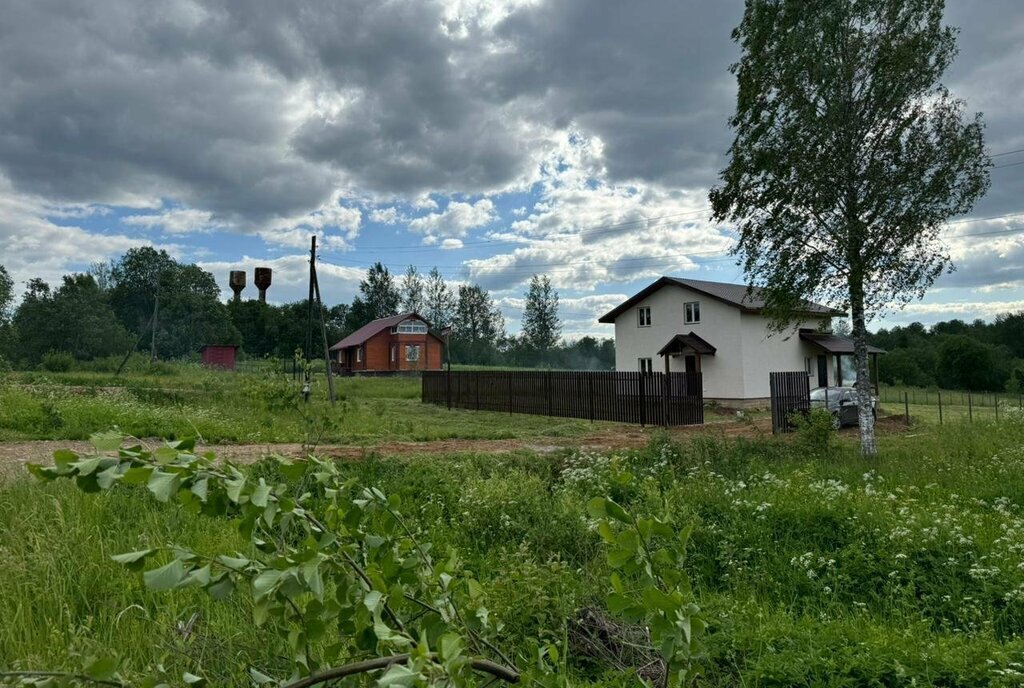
pixel 790 393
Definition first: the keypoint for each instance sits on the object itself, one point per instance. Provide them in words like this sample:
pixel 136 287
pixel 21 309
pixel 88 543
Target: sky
pixel 494 140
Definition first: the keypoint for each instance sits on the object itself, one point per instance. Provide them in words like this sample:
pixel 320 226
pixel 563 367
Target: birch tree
pixel 849 157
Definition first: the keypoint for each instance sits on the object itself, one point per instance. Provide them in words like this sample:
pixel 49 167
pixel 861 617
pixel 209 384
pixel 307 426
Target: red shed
pixel 219 356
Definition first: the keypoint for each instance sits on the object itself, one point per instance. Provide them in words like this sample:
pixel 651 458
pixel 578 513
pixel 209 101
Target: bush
pixel 57 361
pixel 815 432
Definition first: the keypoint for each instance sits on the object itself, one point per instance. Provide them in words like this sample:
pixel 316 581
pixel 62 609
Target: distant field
pixel 245 407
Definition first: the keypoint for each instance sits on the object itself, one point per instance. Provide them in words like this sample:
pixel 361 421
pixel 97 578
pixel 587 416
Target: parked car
pixel 841 402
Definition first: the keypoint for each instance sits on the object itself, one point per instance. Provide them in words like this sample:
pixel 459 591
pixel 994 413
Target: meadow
pixel 183 400
pixel 811 564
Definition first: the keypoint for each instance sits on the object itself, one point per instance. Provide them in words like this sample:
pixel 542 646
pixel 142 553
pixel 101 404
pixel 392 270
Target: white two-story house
pixel 719 330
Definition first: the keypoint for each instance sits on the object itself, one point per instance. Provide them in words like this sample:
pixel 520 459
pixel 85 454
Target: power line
pixel 998 155
pixel 1012 164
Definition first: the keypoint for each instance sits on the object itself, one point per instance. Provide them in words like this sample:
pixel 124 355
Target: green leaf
pixel 311 574
pixel 233 563
pixel 63 458
pixel 87 466
pixel 200 488
pixel 133 561
pixel 163 485
pixel 595 507
pixel 199 577
pixel 234 488
pixel 373 599
pixel 259 677
pixel 616 511
pixel 106 441
pixel 193 680
pixel 260 494
pixel 266 582
pixel 165 455
pixel 166 577
pixel 102 669
pixel 108 477
pixel 398 675
pixel 222 588
pixel 137 475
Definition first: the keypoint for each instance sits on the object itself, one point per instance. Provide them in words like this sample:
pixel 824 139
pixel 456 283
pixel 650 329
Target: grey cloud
pixel 255 110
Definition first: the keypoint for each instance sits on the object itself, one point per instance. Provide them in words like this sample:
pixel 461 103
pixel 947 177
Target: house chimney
pixel 262 282
pixel 237 283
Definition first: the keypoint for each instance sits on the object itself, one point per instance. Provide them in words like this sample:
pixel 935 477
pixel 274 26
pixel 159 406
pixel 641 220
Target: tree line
pixel 149 301
pixel 981 356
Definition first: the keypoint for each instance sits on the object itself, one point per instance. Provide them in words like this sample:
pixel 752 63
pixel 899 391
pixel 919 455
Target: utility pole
pixel 315 288
pixel 156 311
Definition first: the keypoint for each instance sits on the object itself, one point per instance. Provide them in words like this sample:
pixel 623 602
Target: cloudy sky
pixel 576 138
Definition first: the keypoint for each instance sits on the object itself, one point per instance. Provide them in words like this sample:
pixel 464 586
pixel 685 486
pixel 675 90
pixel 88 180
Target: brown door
pixel 691 364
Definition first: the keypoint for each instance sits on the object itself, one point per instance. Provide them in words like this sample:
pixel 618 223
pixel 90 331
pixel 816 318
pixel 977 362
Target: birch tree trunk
pixel 865 415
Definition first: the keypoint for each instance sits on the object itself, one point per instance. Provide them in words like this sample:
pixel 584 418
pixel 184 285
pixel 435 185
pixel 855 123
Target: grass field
pixel 814 566
pixel 246 408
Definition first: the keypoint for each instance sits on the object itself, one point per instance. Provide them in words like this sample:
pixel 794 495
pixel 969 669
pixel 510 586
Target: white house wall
pixel 767 352
pixel 720 327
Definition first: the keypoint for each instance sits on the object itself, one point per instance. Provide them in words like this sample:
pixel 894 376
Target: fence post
pixel 547 389
pixel 643 399
pixel 906 407
pixel 664 399
pixel 940 408
pixel 510 393
pixel 590 393
pixel 970 407
pixel 448 387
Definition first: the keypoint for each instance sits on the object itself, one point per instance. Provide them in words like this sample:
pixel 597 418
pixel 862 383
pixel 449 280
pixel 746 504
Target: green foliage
pixel 816 432
pixel 352 569
pixel 965 363
pixel 849 157
pixel 479 327
pixel 899 570
pixel 650 585
pixel 76 318
pixel 541 327
pixel 57 361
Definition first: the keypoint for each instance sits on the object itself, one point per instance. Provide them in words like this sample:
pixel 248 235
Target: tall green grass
pixel 829 570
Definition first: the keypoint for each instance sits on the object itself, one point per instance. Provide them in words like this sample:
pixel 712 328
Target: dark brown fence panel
pixel 645 398
pixel 790 393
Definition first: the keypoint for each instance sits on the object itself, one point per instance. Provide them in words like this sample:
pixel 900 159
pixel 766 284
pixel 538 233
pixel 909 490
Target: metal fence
pixel 644 398
pixel 790 393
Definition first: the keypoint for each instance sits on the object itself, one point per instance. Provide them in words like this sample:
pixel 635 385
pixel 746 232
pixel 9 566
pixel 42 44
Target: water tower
pixel 262 280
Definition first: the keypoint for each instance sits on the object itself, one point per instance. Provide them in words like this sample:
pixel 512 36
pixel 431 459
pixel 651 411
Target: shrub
pixel 57 361
pixel 816 432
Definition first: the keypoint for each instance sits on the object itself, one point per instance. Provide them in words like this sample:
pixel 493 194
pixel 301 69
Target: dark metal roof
pixel 687 341
pixel 834 343
pixel 747 299
pixel 371 328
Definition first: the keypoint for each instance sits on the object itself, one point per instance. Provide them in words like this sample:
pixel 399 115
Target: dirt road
pixel 13 455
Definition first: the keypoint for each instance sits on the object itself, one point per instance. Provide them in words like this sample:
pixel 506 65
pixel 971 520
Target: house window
pixel 412 352
pixel 807 366
pixel 410 327
pixel 646 365
pixel 359 354
pixel 394 353
pixel 643 316
pixel 691 312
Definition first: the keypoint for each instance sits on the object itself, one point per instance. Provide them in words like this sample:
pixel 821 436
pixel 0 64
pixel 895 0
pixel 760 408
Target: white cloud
pixel 456 220
pixel 386 216
pixel 33 246
pixel 586 231
pixel 176 221
pixel 451 244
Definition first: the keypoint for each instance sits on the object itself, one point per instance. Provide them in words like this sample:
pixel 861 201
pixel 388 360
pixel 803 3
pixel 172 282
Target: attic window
pixel 643 316
pixel 691 313
pixel 410 327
